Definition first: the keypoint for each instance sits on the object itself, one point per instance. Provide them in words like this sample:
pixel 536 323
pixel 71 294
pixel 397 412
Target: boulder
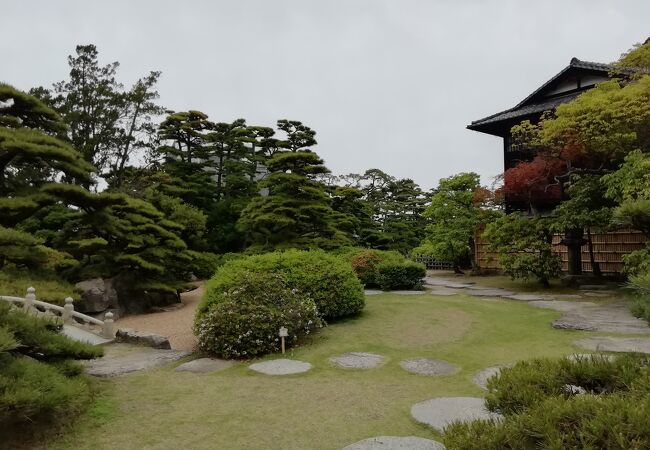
pixel 97 295
pixel 142 338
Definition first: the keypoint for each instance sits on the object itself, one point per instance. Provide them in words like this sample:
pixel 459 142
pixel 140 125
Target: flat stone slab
pixel 122 359
pixel 439 281
pixel 372 292
pixel 280 367
pixel 443 291
pixel 396 443
pixel 481 378
pixel 615 344
pixel 81 335
pixel 357 360
pixel 442 411
pixel 524 297
pixel 458 285
pixel 142 338
pixel 400 292
pixel 589 316
pixel 490 292
pixel 205 365
pixel 430 367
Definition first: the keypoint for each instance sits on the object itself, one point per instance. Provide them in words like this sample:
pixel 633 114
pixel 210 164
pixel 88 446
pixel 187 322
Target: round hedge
pixel 327 279
pixel 246 320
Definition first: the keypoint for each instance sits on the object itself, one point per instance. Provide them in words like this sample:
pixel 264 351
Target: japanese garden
pixel 170 279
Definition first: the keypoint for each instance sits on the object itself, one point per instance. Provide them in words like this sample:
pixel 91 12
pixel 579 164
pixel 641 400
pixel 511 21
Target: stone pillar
pixel 108 326
pixel 68 309
pixel 30 297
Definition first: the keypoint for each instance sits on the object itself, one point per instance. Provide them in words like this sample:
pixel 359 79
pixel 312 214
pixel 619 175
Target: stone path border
pixel 280 367
pixel 205 365
pixel 442 411
pixel 396 443
pixel 429 367
pixel 615 344
pixel 357 360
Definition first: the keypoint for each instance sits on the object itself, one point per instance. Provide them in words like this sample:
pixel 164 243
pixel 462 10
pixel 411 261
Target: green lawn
pixel 328 407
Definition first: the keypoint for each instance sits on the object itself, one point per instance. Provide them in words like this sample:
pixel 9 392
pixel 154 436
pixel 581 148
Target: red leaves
pixel 535 182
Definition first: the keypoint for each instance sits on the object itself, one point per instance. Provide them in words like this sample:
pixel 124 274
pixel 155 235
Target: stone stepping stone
pixel 407 292
pixel 481 378
pixel 357 360
pixel 443 291
pixel 396 443
pixel 524 297
pixel 615 344
pixel 490 293
pixel 205 365
pixel 442 411
pixel 280 367
pixel 439 281
pixel 459 285
pixel 430 367
pixel 123 359
pixel 372 292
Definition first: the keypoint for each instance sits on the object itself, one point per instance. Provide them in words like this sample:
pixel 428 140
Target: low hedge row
pixel 385 269
pixel 543 408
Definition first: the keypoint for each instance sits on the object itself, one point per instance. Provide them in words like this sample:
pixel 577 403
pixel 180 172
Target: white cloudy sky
pixel 389 84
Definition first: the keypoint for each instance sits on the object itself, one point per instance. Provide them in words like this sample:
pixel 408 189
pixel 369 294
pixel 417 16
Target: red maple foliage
pixel 535 182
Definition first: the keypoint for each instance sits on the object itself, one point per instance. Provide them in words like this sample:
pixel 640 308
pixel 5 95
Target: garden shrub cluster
pixel 384 269
pixel 246 320
pixel 542 411
pixel 250 298
pixel 40 381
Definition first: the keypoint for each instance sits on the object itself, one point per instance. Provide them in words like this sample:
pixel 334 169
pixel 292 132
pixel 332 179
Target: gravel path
pixel 175 324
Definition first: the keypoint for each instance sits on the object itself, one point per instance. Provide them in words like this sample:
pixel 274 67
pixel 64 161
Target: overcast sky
pixel 386 84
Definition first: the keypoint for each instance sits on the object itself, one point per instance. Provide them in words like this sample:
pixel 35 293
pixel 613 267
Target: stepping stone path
pixel 358 360
pixel 407 292
pixel 443 291
pixel 615 344
pixel 396 443
pixel 122 359
pixel 490 293
pixel 280 367
pixel 372 292
pixel 608 318
pixel 205 365
pixel 482 377
pixel 430 367
pixel 442 411
pixel 525 297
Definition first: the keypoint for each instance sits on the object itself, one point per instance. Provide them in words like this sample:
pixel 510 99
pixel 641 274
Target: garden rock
pixel 442 411
pixel 205 365
pixel 97 295
pixel 142 338
pixel 572 389
pixel 430 367
pixel 615 344
pixel 396 443
pixel 123 359
pixel 482 377
pixel 358 360
pixel 280 367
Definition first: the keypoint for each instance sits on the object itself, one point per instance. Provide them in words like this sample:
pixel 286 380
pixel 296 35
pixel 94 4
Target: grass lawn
pixel 328 407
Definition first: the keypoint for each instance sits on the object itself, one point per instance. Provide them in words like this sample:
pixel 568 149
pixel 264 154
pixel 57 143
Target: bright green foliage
pixel 366 261
pixel 403 275
pixel 455 212
pixel 38 381
pixel 637 57
pixel 296 213
pixel 49 287
pixel 524 247
pixel 327 279
pixel 244 323
pixel 542 413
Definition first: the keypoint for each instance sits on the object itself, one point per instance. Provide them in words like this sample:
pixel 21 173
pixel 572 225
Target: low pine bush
pixel 541 412
pixel 326 279
pixel 403 275
pixel 245 320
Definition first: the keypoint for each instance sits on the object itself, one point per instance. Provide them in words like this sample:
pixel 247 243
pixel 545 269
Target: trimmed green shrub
pixel 326 279
pixel 245 320
pixel 541 411
pixel 366 261
pixel 404 275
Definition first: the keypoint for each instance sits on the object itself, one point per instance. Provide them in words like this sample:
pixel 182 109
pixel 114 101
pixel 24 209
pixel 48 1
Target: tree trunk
pixel 573 240
pixel 595 267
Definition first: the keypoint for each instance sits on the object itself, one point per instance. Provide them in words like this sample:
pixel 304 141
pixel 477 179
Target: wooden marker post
pixel 283 334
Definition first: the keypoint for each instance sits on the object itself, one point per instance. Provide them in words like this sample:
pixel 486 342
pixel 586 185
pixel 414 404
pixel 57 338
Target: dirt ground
pixel 175 324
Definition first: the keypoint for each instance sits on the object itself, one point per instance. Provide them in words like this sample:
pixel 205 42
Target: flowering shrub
pixel 245 321
pixel 326 279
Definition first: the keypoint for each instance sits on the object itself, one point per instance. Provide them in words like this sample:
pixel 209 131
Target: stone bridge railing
pixel 65 315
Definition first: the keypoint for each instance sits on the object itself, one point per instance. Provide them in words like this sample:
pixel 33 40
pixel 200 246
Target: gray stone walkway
pixel 442 411
pixel 429 367
pixel 280 367
pixel 615 344
pixel 205 365
pixel 396 443
pixel 122 359
pixel 357 360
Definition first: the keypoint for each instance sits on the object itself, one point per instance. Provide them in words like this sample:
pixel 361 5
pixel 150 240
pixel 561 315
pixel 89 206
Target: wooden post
pixel 108 326
pixel 283 333
pixel 30 297
pixel 68 309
